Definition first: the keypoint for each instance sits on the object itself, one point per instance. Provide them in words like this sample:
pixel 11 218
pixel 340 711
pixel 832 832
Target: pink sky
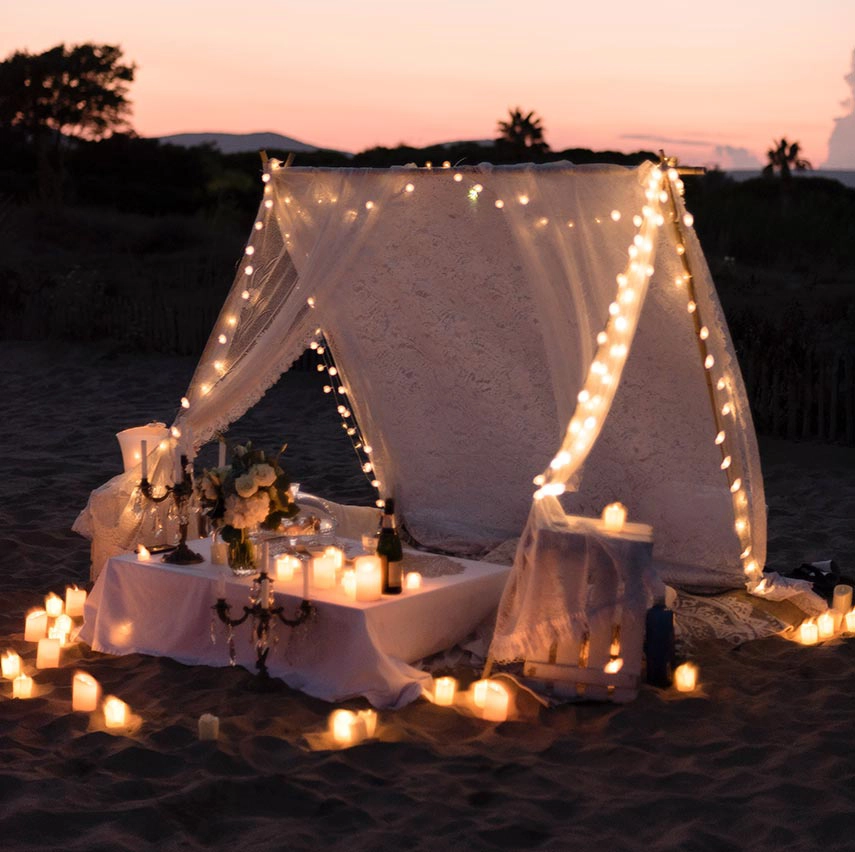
pixel 351 75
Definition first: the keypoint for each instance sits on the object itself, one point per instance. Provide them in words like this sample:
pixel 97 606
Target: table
pixel 352 648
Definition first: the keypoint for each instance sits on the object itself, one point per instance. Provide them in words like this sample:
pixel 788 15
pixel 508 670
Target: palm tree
pixel 784 157
pixel 523 134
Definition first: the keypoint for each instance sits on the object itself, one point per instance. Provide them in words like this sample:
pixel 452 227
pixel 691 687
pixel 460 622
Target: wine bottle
pixel 389 550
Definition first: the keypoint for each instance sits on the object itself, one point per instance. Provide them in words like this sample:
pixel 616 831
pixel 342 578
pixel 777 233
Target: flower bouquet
pixel 253 491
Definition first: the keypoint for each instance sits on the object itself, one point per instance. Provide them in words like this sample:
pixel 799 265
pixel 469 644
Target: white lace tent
pixel 473 314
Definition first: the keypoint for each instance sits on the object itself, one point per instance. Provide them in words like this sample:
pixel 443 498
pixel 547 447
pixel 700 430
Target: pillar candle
pixel 47 656
pixel 209 727
pixel 53 605
pixel 11 665
pixel 144 459
pixel 348 583
pixel 369 578
pixel 75 600
pixel 336 554
pixel 36 626
pixel 264 593
pixel 808 633
pixel 496 702
pixel 85 691
pixel 115 712
pixel 614 517
pixel 414 580
pixel 55 632
pixel 369 717
pixel 842 598
pixel 850 621
pixel 22 687
pixel 825 625
pixel 323 572
pixel 286 566
pixel 443 691
pixel 347 728
pixel 64 624
pixel 686 677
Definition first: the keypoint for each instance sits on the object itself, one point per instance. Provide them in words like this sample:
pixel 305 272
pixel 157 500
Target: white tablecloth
pixel 351 649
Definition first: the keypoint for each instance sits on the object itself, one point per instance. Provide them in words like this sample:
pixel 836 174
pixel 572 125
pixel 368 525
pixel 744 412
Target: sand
pixel 759 758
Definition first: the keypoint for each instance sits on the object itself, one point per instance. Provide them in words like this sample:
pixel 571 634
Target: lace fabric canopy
pixel 473 314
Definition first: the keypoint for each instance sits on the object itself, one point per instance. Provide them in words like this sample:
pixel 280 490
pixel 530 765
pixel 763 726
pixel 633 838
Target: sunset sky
pixel 708 82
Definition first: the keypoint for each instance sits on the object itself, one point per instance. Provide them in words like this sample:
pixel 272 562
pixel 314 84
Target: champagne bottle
pixel 389 550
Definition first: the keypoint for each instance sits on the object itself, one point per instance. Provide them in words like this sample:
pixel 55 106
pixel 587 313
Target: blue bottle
pixel 659 645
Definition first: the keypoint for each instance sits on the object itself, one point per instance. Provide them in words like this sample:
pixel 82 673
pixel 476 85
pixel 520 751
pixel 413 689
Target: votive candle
pixel 337 556
pixel 414 580
pixel 369 717
pixel 63 623
pixel 209 727
pixel 47 656
pixel 614 517
pixel 808 633
pixel 55 633
pixel 850 621
pixel 75 599
pixel 85 691
pixel 369 578
pixel 346 727
pixel 842 598
pixel 686 677
pixel 22 687
pixel 323 572
pixel 825 625
pixel 115 712
pixel 348 583
pixel 36 626
pixel 496 701
pixel 479 692
pixel 11 665
pixel 53 605
pixel 444 689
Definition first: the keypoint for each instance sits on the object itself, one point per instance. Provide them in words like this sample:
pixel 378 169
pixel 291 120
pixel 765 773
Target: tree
pixel 784 158
pixel 523 134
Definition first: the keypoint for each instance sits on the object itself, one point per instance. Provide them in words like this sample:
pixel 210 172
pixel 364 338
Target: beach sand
pixel 759 758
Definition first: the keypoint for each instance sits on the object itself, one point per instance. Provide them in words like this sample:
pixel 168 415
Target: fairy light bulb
pixel 185 403
pixel 369 205
pixel 248 270
pixel 725 462
pixel 351 431
pixel 737 484
pixel 614 309
pixel 320 368
pixel 222 338
pixel 265 178
pixel 691 307
pixel 740 526
pixel 313 344
pixel 704 333
pixel 327 388
pixel 367 467
pixel 340 409
pixel 458 177
pixel 342 389
pixel 721 384
pixel 621 324
pixel 539 479
pixel 523 199
pixel 602 338
pixel 499 203
pixel 688 220
pixel 269 203
pixel 409 187
pixel 321 350
pixel 219 366
pixel 245 295
pixel 709 361
pixel 249 251
pixel 726 409
pixel 311 301
pixel 375 483
pixel 333 371
pixel 681 249
pixel 259 226
pixel 478 188
pixel 205 389
pixel 583 396
pixel 571 223
pixel 615 214
pixel 637 220
pixel 175 432
pixel 719 439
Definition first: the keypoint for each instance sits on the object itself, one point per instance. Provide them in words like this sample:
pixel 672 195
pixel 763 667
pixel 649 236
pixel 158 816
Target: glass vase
pixel 242 555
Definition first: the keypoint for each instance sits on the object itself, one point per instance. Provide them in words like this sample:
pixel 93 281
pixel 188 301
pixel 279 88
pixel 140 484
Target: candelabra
pixel 263 619
pixel 181 492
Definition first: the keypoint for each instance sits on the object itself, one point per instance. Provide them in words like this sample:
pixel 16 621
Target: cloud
pixel 666 140
pixel 730 157
pixel 841 144
pixel 704 150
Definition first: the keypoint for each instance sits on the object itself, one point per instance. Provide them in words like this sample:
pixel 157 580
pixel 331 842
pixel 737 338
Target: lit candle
pixel 479 692
pixel 47 656
pixel 144 459
pixel 36 626
pixel 369 717
pixel 613 666
pixel 209 726
pixel 63 624
pixel 614 517
pixel 808 633
pixel 369 578
pixel 53 605
pixel 336 554
pixel 842 598
pixel 825 625
pixel 22 687
pixel 323 572
pixel 75 599
pixel 444 689
pixel 496 702
pixel 850 621
pixel 11 665
pixel 55 633
pixel 286 566
pixel 85 691
pixel 264 593
pixel 686 677
pixel 414 580
pixel 115 712
pixel 348 583
pixel 347 728
pixel 143 554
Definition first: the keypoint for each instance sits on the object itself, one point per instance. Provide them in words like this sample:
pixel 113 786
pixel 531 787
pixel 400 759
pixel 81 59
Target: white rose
pixel 245 485
pixel 264 474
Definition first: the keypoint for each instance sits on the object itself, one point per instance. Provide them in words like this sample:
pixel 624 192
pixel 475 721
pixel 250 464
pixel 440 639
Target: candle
pixel 808 633
pixel 36 626
pixel 53 605
pixel 323 572
pixel 337 556
pixel 825 625
pixel 85 691
pixel 347 728
pixel 369 717
pixel 443 691
pixel 686 677
pixel 11 665
pixel 115 712
pixel 842 598
pixel 264 593
pixel 22 687
pixel 614 517
pixel 47 656
pixel 55 633
pixel 850 621
pixel 144 459
pixel 613 666
pixel 75 600
pixel 286 566
pixel 221 456
pixel 209 727
pixel 143 554
pixel 496 702
pixel 414 580
pixel 63 624
pixel 265 558
pixel 348 583
pixel 369 578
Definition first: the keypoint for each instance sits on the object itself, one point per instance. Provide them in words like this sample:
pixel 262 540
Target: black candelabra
pixel 263 619
pixel 181 492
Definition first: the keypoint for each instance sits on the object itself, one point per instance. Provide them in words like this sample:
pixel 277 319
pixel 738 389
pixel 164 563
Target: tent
pixel 490 325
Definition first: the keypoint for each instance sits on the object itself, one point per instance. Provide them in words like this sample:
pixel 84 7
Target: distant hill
pixel 236 143
pixel 847 178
